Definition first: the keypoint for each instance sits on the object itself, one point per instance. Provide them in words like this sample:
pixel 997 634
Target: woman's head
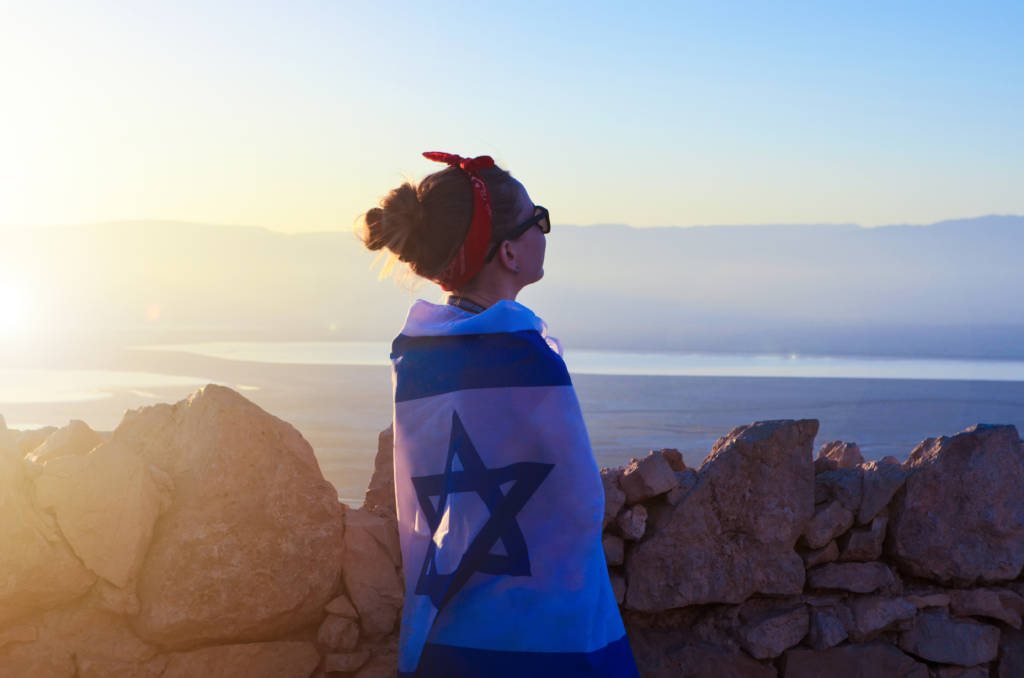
pixel 424 225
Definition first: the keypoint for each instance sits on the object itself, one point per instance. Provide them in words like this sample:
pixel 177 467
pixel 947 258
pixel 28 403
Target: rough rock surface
pixel 994 604
pixel 614 497
pixel 733 534
pixel 74 439
pixel 252 543
pixel 820 556
pixel 874 614
pixel 852 661
pixel 109 530
pixel 855 577
pixel 614 549
pixel 1011 654
pixel 645 478
pixel 838 454
pixel 881 481
pixel 282 659
pixel 380 493
pixel 937 638
pixel 864 544
pixel 661 654
pixel 827 524
pixel 632 522
pixel 960 518
pixel 369 570
pixel 39 569
pixel 844 485
pixel 826 630
pixel 770 633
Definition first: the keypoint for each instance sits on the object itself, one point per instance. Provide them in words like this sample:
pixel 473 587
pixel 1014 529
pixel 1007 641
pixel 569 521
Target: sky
pixel 299 116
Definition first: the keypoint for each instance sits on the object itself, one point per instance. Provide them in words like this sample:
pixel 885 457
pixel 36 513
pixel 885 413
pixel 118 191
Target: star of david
pixel 501 524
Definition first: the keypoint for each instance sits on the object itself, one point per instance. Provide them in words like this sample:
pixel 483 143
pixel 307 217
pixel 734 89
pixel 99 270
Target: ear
pixel 507 255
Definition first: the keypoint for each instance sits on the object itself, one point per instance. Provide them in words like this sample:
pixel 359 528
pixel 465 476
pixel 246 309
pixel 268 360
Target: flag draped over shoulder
pixel 499 503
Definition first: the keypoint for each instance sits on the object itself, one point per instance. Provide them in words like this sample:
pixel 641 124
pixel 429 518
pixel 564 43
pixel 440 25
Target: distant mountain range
pixel 954 288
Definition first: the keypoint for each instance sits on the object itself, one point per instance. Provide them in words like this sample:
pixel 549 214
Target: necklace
pixel 465 304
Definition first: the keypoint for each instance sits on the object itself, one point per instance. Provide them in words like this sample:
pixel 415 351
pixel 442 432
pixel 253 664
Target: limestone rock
pixel 661 654
pixel 1011 654
pixel 106 503
pixel 986 603
pixel 614 549
pixel 342 607
pixel 251 546
pixel 820 556
pixel 614 497
pixel 281 659
pixel 874 614
pixel 74 439
pixel 686 480
pixel 864 545
pixel 632 522
pixel 338 633
pixel 842 485
pixel 837 454
pixel 381 491
pixel 852 661
pixel 881 481
pixel 70 634
pixel 28 441
pixel 646 478
pixel 960 518
pixel 923 600
pixel 372 582
pixel 733 534
pixel 674 458
pixel 855 577
pixel 769 634
pixel 345 662
pixel 937 638
pixel 826 630
pixel 39 570
pixel 827 524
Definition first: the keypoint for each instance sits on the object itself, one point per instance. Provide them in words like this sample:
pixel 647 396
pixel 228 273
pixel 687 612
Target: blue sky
pixel 299 116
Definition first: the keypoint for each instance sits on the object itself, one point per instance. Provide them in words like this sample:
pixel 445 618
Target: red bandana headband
pixel 470 258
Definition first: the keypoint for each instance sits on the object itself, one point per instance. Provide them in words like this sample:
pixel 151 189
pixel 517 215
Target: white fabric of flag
pixel 500 503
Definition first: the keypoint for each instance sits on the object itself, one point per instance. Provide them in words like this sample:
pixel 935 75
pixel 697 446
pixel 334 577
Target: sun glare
pixel 14 311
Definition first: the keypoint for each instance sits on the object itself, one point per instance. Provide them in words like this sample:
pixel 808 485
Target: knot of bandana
pixel 469 259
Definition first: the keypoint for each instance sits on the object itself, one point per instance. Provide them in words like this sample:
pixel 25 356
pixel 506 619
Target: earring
pixel 517 269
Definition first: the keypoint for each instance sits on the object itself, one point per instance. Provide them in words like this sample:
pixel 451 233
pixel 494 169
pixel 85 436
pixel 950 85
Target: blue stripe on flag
pixel 431 365
pixel 614 660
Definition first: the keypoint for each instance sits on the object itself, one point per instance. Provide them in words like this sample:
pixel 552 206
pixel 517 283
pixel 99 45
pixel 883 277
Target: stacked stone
pixel 766 563
pixel 199 539
pixel 202 539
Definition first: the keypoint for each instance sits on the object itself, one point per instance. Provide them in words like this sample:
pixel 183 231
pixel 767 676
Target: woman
pixel 499 498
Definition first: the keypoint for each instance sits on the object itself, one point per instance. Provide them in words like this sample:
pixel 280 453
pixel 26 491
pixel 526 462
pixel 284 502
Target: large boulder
pixel 250 548
pixel 960 517
pixel 733 534
pixel 106 503
pixel 38 570
pixel 937 638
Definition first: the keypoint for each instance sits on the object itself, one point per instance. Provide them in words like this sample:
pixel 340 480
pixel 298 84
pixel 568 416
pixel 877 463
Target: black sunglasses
pixel 540 218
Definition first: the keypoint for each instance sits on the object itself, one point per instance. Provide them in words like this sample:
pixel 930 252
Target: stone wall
pixel 200 539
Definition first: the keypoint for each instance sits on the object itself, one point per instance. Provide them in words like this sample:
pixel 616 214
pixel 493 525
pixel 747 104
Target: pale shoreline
pixel 341 409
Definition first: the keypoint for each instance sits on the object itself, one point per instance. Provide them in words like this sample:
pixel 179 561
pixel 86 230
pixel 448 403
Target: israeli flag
pixel 499 503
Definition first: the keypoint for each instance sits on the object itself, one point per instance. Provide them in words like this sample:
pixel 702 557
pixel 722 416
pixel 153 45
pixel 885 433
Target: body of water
pixel 338 395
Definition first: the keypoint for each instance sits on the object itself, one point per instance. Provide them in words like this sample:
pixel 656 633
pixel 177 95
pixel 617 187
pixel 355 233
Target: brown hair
pixel 425 225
